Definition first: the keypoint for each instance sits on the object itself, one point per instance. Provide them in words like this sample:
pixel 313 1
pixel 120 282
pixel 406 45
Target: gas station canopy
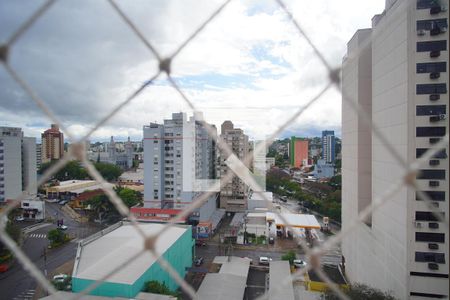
pixel 295 220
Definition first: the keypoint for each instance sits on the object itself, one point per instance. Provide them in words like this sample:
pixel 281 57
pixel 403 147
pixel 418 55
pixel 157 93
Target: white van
pixel 263 260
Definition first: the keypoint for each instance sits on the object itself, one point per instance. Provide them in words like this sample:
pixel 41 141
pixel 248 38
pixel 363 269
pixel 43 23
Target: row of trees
pixel 280 183
pixel 104 210
pixel 75 170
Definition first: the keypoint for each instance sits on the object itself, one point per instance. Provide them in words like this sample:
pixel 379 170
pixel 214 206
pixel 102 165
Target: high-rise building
pixel 17 163
pixel 328 146
pixel 298 152
pixel 171 165
pixel 397 73
pixel 52 144
pixel 38 156
pixel 234 194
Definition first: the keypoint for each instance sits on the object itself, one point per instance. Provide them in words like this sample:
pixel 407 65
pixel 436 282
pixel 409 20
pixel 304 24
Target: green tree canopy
pixel 289 256
pixel 360 291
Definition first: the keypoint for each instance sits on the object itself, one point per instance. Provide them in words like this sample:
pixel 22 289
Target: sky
pixel 249 65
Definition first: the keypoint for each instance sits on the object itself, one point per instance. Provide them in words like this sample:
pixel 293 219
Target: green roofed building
pixel 111 248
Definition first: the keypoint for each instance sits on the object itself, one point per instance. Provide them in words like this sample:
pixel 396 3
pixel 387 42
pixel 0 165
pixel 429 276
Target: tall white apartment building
pixel 233 195
pixel 397 73
pixel 176 153
pixel 17 163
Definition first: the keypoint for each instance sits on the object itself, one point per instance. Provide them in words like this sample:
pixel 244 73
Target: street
pixel 16 283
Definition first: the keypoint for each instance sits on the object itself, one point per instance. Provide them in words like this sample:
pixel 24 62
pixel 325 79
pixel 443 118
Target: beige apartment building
pixel 397 73
pixel 234 195
pixel 52 144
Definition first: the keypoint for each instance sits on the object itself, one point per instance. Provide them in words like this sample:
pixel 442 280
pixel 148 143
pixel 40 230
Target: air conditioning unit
pixel 434 140
pixel 433 225
pixel 421 32
pixel 433 183
pixel 434 97
pixel 418 224
pixel 435 10
pixel 434 162
pixel 433 246
pixel 435 31
pixel 435 53
pixel 437 118
pixel 433 266
pixel 435 75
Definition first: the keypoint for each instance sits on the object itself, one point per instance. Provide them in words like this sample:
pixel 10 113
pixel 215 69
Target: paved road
pixel 16 283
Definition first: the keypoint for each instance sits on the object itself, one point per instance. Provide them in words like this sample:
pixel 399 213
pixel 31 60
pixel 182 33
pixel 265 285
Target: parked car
pixel 20 218
pixel 271 240
pixel 3 268
pixel 63 202
pixel 200 243
pixel 199 261
pixel 63 227
pixel 60 277
pixel 298 263
pixel 263 260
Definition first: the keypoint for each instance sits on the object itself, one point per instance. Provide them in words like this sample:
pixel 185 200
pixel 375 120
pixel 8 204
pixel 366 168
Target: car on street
pixel 199 261
pixel 298 263
pixel 271 240
pixel 200 243
pixel 263 260
pixel 63 227
pixel 60 277
pixel 20 218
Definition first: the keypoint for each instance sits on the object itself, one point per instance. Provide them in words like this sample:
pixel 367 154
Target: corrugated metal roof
pixel 102 255
pixel 279 272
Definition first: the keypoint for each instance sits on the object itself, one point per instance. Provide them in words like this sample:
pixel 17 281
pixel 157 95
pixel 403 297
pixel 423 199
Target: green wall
pixel 179 256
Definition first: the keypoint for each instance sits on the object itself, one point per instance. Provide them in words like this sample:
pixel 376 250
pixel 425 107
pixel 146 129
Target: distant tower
pixel 129 153
pixel 112 151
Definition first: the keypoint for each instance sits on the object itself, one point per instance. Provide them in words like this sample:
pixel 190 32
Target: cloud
pixel 249 65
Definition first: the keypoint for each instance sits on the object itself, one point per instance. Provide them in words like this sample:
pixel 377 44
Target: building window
pixel 426 295
pixel 430 131
pixel 431 88
pixel 436 67
pixel 433 195
pixel 431 46
pixel 425 4
pixel 428 274
pixel 430 257
pixel 430 237
pixel 430 110
pixel 428 215
pixel 431 24
pixel 421 151
pixel 431 174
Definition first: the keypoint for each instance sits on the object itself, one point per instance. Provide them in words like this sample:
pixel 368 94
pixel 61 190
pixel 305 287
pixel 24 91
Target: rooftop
pixel 279 272
pixel 229 283
pixel 295 220
pixel 99 256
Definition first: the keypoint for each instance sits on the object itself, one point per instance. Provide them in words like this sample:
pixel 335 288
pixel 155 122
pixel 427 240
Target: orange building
pixel 298 151
pixel 52 144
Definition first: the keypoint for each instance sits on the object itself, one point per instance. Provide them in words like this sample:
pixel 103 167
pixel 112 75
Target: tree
pixel 289 256
pixel 57 237
pixel 109 171
pixel 154 286
pixel 360 291
pixel 128 196
pixel 101 206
